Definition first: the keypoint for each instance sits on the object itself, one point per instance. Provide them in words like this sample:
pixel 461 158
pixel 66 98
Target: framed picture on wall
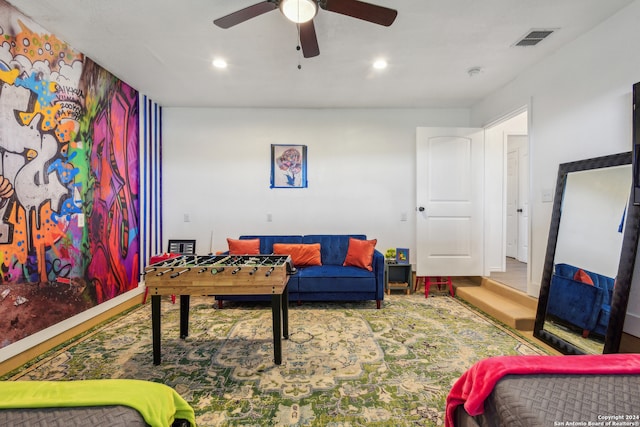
pixel 288 166
pixel 402 255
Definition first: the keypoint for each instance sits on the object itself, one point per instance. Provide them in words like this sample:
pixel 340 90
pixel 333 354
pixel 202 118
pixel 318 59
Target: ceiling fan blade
pixel 361 10
pixel 308 40
pixel 245 14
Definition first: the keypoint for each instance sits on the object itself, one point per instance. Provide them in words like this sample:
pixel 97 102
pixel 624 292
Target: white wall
pixel 593 241
pixel 361 172
pixel 580 107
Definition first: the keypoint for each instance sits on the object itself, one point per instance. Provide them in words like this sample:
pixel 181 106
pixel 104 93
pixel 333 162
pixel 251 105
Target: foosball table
pixel 199 275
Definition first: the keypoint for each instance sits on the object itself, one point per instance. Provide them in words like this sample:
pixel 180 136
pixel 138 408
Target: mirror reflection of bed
pixel 584 253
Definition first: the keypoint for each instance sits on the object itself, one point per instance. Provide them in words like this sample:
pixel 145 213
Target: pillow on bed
pixel 302 255
pixel 244 247
pixel 360 253
pixel 583 277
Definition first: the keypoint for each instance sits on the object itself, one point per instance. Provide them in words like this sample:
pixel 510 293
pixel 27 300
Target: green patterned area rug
pixel 345 364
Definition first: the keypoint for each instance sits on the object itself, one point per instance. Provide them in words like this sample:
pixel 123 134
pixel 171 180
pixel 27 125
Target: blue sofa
pixel 582 305
pixel 330 281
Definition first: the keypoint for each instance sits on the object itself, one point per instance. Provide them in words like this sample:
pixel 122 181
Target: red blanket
pixel 475 385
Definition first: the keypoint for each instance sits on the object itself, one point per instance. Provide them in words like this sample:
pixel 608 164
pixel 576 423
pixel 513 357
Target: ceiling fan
pixel 302 13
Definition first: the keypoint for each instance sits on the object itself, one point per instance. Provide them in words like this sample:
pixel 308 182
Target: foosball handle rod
pixel 176 274
pixel 165 271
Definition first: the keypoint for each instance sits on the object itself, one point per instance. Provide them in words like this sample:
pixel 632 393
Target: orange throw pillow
pixel 583 277
pixel 302 255
pixel 360 253
pixel 244 247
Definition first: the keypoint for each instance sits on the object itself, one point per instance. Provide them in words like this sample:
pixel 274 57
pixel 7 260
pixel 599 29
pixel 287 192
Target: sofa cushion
pixel 360 253
pixel 333 247
pixel 266 242
pixel 335 279
pixel 582 277
pixel 301 254
pixel 333 271
pixel 244 247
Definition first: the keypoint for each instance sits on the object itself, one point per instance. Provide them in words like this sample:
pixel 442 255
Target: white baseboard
pixel 533 290
pixel 632 324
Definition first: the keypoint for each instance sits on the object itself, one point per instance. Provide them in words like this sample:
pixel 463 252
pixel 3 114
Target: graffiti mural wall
pixel 69 213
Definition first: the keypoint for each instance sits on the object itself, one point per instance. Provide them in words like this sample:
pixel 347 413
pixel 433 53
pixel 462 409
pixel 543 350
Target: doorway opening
pixel 511 135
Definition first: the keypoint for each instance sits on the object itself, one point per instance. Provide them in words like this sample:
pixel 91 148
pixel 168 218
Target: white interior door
pixel 449 197
pixel 512 203
pixel 518 184
pixel 523 197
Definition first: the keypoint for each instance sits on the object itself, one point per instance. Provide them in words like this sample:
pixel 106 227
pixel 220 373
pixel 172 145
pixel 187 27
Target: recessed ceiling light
pixel 380 64
pixel 219 63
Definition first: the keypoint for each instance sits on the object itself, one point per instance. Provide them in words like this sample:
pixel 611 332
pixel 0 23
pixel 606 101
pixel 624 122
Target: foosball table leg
pixel 285 313
pixel 184 316
pixel 276 314
pixel 155 328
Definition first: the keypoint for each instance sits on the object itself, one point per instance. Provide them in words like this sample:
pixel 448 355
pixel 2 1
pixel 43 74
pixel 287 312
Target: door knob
pixel 421 208
pixel 519 210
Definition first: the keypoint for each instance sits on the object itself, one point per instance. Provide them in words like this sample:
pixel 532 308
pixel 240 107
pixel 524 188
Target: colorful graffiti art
pixel 68 181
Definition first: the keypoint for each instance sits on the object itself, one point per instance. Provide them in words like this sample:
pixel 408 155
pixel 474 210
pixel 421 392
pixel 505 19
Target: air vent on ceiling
pixel 534 37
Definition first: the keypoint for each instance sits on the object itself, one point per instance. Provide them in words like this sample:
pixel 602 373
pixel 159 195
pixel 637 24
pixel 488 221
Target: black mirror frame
pixel 625 267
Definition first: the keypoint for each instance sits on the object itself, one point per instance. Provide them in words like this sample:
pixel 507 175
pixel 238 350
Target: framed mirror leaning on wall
pixel 590 256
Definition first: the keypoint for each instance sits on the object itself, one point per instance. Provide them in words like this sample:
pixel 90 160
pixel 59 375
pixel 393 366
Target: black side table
pixel 397 277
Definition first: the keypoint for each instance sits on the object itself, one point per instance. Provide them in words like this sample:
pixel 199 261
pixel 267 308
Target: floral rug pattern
pixel 345 364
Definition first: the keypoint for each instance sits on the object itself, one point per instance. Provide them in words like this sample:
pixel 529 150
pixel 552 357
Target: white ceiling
pixel 164 49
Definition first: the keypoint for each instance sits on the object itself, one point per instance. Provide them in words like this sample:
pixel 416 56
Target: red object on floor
pixel 153 260
pixel 435 280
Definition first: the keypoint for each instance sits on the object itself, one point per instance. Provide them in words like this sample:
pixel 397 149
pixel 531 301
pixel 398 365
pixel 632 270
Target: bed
pixel 547 391
pixel 109 402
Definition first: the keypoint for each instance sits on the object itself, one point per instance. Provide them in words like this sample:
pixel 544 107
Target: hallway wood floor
pixel 515 276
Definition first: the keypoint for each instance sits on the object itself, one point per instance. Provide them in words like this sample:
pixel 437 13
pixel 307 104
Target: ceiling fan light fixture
pixel 299 11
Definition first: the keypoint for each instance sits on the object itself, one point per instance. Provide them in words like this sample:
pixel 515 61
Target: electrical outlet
pixel 80 220
pixel 403 216
pixel 269 217
pixel 187 218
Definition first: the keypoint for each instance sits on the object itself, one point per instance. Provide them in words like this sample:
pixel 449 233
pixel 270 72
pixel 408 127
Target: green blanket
pixel 158 404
